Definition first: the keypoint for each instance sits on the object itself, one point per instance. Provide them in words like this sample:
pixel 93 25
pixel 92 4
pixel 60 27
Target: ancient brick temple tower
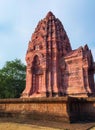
pixel 53 68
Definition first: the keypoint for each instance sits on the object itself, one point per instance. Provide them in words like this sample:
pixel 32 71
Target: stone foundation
pixel 37 108
pixel 57 109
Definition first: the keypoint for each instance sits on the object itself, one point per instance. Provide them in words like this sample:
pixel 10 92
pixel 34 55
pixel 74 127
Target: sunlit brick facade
pixel 53 68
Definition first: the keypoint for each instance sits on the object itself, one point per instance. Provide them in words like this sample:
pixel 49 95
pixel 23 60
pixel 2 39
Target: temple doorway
pixel 37 75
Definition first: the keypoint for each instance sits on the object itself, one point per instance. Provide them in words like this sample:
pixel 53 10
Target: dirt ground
pixel 16 126
pixel 19 124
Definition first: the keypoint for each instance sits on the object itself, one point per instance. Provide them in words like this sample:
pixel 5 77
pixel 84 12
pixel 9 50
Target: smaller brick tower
pixel 53 68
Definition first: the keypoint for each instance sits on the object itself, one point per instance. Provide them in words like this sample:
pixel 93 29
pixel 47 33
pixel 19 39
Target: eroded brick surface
pixel 53 68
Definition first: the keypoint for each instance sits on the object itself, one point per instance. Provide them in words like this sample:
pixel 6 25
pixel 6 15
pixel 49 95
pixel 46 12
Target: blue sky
pixel 18 19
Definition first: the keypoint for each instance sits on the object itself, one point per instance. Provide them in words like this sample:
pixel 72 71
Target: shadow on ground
pixel 51 124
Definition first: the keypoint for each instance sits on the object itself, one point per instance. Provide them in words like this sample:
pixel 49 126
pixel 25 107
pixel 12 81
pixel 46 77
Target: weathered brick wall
pixel 59 109
pixel 53 108
pixel 81 109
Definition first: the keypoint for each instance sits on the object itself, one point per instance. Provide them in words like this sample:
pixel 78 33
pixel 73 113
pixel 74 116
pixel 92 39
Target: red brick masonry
pixel 59 109
pixel 53 68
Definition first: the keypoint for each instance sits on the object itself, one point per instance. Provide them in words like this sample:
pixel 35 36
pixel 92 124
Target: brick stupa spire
pixel 51 63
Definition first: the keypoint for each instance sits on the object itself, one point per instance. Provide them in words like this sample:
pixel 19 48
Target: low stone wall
pixel 66 109
pixel 37 108
pixel 81 109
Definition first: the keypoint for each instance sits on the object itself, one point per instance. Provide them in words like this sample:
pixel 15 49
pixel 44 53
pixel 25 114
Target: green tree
pixel 12 79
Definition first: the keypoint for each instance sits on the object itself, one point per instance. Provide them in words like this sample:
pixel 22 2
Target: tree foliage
pixel 12 79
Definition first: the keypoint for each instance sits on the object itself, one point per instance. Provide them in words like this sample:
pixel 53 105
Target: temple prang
pixel 53 68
